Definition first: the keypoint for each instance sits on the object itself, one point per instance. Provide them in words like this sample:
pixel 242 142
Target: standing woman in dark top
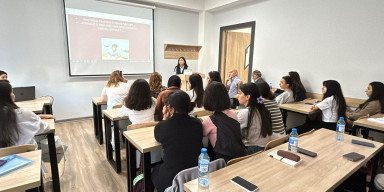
pixel 181 138
pixel 181 66
pixel 300 90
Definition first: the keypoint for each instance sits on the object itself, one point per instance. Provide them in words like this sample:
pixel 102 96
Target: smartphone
pixel 353 156
pixel 2 162
pixel 246 185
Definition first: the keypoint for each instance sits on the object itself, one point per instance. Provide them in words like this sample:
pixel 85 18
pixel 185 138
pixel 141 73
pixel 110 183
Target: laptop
pixel 24 93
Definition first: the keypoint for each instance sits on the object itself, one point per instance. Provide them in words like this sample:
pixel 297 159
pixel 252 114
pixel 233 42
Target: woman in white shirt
pixel 139 105
pixel 255 120
pixel 196 92
pixel 116 90
pixel 332 106
pixel 288 95
pixel 18 126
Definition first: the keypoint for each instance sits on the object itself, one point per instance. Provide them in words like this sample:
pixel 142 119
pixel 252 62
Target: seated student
pixel 174 83
pixel 270 103
pixel 332 106
pixel 139 105
pixel 155 84
pixel 3 75
pixel 213 76
pixel 255 120
pixel 196 92
pixel 18 126
pixel 288 95
pixel 116 90
pixel 373 105
pixel 181 138
pixel 300 90
pixel 222 128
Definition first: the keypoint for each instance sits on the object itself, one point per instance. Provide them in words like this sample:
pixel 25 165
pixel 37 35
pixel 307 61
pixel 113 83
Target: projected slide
pixel 100 43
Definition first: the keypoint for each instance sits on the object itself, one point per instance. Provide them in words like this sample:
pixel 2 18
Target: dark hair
pixel 3 72
pixel 197 85
pixel 265 90
pixel 180 101
pixel 288 80
pixel 257 72
pixel 252 90
pixel 9 132
pixel 296 80
pixel 215 76
pixel 174 80
pixel 139 96
pixel 216 97
pixel 178 65
pixel 334 89
pixel 377 94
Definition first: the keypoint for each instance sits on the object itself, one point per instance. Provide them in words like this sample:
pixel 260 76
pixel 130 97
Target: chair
pixel 192 173
pixel 232 161
pixel 141 125
pixel 202 113
pixel 16 149
pixel 276 142
pixel 307 133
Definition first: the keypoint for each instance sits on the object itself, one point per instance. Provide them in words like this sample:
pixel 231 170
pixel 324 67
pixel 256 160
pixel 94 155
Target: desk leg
pixel 95 121
pixel 147 172
pixel 116 132
pixel 131 165
pixel 53 160
pixel 48 109
pixel 374 171
pixel 108 146
pixel 99 124
pixel 284 113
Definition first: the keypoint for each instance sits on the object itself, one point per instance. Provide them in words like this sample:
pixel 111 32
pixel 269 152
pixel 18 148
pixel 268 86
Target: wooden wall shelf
pixel 173 51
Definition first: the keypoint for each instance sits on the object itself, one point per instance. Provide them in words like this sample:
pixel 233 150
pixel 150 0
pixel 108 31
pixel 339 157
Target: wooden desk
pixel 97 124
pixel 365 123
pixel 297 107
pixel 52 154
pixel 322 173
pixel 25 178
pixel 109 117
pixel 38 105
pixel 142 139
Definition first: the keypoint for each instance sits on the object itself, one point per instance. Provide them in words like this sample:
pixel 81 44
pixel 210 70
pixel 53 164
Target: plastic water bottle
pixel 270 85
pixel 340 127
pixel 203 168
pixel 293 141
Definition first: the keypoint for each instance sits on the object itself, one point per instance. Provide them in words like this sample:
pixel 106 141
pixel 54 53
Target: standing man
pixel 256 76
pixel 233 87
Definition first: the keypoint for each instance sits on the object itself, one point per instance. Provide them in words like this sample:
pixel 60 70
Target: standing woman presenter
pixel 181 66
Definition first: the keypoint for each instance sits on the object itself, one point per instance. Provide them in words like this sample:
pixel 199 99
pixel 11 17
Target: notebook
pixel 14 162
pixel 24 93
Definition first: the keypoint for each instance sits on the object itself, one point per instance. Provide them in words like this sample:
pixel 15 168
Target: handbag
pixel 138 182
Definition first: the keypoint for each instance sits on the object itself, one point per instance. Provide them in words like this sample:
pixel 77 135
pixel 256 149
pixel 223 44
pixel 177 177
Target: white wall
pixel 33 52
pixel 341 40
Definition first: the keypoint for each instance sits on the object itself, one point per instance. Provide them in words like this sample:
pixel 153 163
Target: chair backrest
pixel 117 106
pixel 141 125
pixel 192 173
pixel 232 161
pixel 276 142
pixel 202 113
pixel 16 149
pixel 307 133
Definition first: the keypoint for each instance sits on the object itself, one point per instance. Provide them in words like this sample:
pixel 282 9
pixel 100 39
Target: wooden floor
pixel 86 167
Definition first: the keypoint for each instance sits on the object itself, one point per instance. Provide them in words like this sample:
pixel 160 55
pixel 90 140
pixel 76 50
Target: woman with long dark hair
pixel 196 92
pixel 289 93
pixel 181 138
pixel 139 105
pixel 181 66
pixel 214 76
pixel 373 105
pixel 300 90
pixel 255 120
pixel 332 106
pixel 18 126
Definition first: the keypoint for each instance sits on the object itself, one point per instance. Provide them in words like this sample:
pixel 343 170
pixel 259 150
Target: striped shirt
pixel 277 118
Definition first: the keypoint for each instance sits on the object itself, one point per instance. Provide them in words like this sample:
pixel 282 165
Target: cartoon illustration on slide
pixel 115 49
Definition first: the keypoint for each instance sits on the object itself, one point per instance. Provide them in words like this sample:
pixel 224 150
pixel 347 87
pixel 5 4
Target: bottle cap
pixel 203 150
pixel 341 118
pixel 294 129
